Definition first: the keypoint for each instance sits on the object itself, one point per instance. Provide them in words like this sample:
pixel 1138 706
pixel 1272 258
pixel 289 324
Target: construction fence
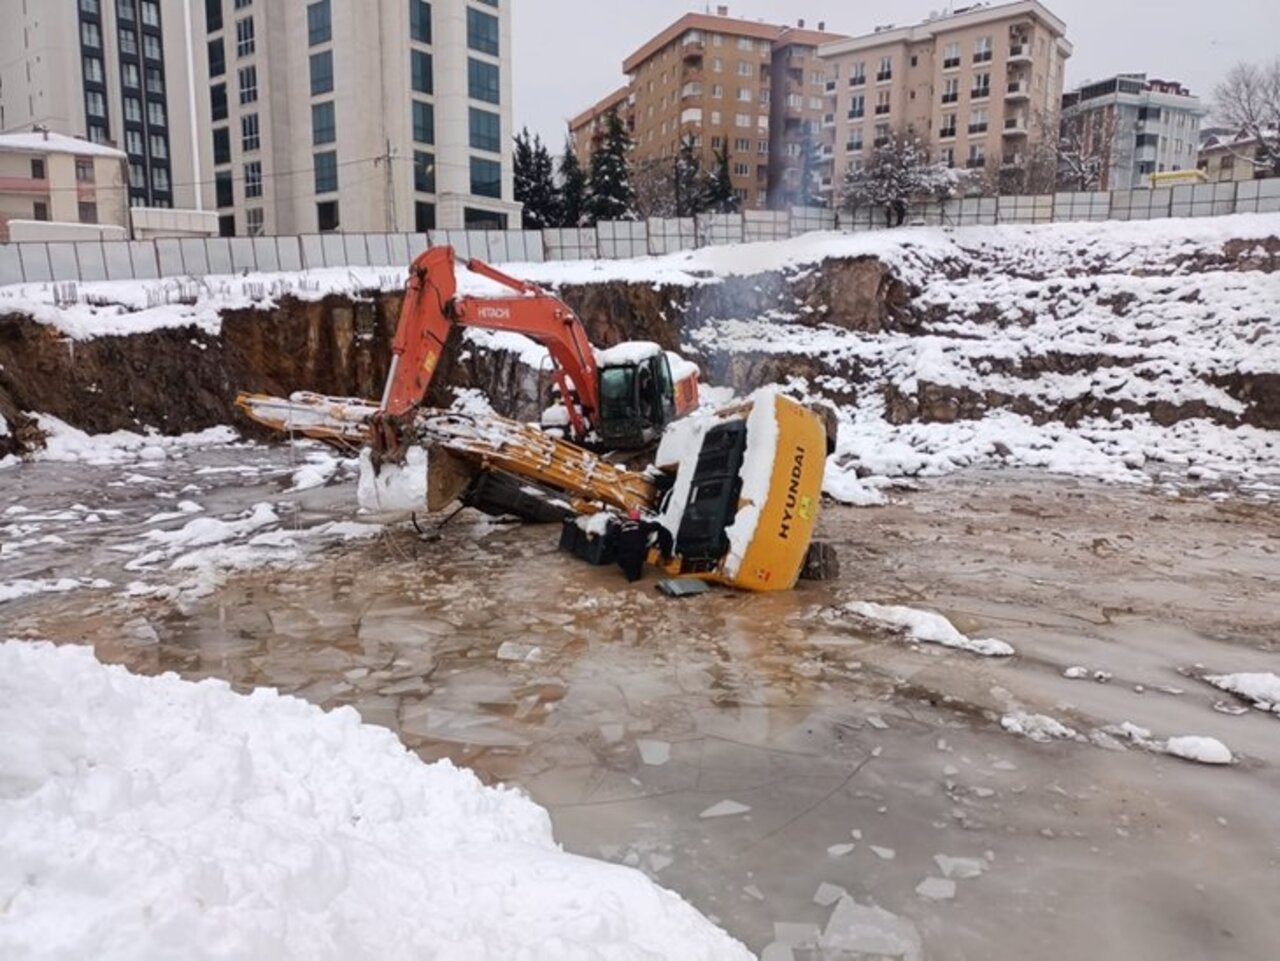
pixel 89 261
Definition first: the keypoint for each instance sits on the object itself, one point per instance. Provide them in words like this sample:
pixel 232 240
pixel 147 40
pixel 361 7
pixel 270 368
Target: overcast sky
pixel 569 53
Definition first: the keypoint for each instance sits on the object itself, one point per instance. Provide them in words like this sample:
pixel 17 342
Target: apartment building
pixel 114 72
pixel 49 177
pixel 588 128
pixel 712 77
pixel 1136 126
pixel 981 86
pixel 799 142
pixel 327 115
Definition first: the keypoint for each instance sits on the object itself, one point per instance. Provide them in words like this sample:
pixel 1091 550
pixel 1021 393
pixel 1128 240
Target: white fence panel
pixel 492 245
pixel 1081 206
pixel 219 250
pixel 806 219
pixel 1024 209
pixel 142 256
pixel 760 225
pixel 376 245
pixel 118 262
pixel 266 254
pixel 35 263
pixel 716 229
pixel 63 264
pixel 312 251
pixel 169 253
pixel 195 261
pixel 418 243
pixel 1268 195
pixel 398 253
pixel 670 234
pixel 10 265
pixel 459 240
pixel 93 265
pixel 525 246
pixel 242 258
pixel 289 251
pixel 354 251
pixel 334 250
pixel 622 239
pixel 571 243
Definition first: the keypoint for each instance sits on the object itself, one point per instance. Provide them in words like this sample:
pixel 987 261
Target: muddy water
pixel 859 757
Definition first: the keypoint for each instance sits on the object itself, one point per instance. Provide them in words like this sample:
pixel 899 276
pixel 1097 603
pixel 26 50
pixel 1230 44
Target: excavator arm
pixel 433 306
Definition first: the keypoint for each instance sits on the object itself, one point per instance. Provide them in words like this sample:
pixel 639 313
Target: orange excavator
pixel 737 489
pixel 620 399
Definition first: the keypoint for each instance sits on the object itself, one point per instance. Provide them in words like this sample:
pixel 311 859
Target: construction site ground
pixel 850 757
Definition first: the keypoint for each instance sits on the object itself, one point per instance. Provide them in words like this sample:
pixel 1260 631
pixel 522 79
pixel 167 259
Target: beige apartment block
pixel 980 86
pixel 346 115
pixel 713 78
pixel 114 72
pixel 588 128
pixel 1227 157
pixel 52 178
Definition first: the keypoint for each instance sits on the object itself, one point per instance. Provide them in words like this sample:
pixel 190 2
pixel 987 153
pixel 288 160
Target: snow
pixel 395 488
pixel 28 587
pixel 1262 689
pixel 756 474
pixel 1205 750
pixel 1037 727
pixel 681 368
pixel 48 143
pixel 627 354
pixel 69 444
pixel 936 889
pixel 930 628
pixel 150 817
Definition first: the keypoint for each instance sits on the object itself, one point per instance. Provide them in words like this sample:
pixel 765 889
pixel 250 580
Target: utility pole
pixel 389 194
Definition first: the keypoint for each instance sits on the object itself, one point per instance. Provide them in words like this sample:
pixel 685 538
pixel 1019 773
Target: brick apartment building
pixel 980 85
pixel 753 89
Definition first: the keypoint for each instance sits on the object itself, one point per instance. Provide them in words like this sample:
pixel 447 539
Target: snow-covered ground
pixel 157 818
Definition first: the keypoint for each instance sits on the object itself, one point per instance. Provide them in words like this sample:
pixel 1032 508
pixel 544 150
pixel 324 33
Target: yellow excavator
pixel 737 489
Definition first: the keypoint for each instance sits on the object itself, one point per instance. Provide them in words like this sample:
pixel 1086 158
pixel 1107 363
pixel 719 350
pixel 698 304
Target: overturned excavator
pixel 737 488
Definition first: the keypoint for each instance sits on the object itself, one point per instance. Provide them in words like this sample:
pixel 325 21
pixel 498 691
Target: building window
pixel 155 80
pixel 882 102
pixel 882 135
pixel 97 133
pixel 977 156
pixel 745 95
pixel 129 74
pixel 84 170
pixel 855 142
pixel 324 126
pixel 151 47
pixel 482 31
pixel 38 171
pixel 947 156
pixel 326 165
pixel 982 50
pixel 156 114
pixel 160 179
pixel 151 13
pixel 94 104
pixel 88 213
pixel 420 62
pixel 93 69
pixel 978 121
pixel 486 177
pixel 245 43
pixel 249 138
pixel 886 70
pixel 159 146
pixel 90 35
pixel 241 4
pixel 319 23
pixel 221 146
pixel 424 217
pixel 125 9
pixel 486 130
pixel 248 84
pixel 482 81
pixel 420 21
pixel 128 43
pixel 951 90
pixel 133 143
pixel 321 72
pixel 217 58
pixel 253 221
pixel 424 122
pixel 857 107
pixel 222 189
pixel 424 172
pixel 253 179
pixel 212 15
pixel 981 86
pixel 948 128
pixel 39 210
pixel 474 219
pixel 227 225
pixel 951 56
pixel 327 216
pixel 217 101
pixel 858 74
pixel 137 176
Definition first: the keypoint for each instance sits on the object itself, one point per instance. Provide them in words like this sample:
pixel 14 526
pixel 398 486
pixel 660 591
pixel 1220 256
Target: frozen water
pixel 936 889
pixel 871 930
pixel 725 809
pixel 655 753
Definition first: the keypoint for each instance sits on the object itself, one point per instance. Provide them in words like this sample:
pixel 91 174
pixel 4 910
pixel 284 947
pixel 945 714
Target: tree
pixel 654 184
pixel 535 186
pixel 899 171
pixel 1085 145
pixel 687 180
pixel 610 195
pixel 573 189
pixel 1249 99
pixel 718 196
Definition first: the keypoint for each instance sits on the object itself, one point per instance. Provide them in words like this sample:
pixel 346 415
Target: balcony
pixel 951 97
pixel 691 91
pixel 1018 90
pixel 976 163
pixel 1015 127
pixel 830 87
pixel 951 63
pixel 884 76
pixel 980 93
pixel 946 133
pixel 1020 53
pixel 976 128
pixel 858 81
pixel 982 56
pixel 856 114
pixel 23 185
pixel 692 51
pixel 882 109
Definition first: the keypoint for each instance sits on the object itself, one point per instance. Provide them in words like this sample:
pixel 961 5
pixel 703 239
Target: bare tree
pixel 655 186
pixel 1086 142
pixel 1036 171
pixel 899 172
pixel 1249 99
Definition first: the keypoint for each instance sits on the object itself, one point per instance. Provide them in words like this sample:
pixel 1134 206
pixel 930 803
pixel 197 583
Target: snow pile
pixel 69 444
pixel 27 587
pixel 155 818
pixel 394 488
pixel 1038 727
pixel 1262 689
pixel 1204 750
pixel 929 627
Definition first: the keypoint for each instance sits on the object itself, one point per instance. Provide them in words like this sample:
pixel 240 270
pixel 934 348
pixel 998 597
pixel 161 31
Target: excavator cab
pixel 637 396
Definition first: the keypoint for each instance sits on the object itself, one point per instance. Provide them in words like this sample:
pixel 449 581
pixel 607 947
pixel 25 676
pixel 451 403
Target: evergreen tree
pixel 719 197
pixel 573 189
pixel 610 195
pixel 535 185
pixel 689 188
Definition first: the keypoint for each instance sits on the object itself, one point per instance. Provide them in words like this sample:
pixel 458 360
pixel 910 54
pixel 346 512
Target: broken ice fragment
pixel 1076 673
pixel 828 894
pixel 961 868
pixel 753 892
pixel 840 850
pixel 867 930
pixel 654 753
pixel 884 854
pixel 936 889
pixel 725 809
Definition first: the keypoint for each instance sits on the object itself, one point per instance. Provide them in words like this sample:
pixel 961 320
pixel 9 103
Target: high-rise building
pixel 115 72
pixel 718 80
pixel 980 86
pixel 1135 127
pixel 356 116
pixel 588 128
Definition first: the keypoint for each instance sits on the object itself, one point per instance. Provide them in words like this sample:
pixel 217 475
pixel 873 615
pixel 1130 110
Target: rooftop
pixel 960 19
pixel 46 143
pixel 602 106
pixel 730 26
